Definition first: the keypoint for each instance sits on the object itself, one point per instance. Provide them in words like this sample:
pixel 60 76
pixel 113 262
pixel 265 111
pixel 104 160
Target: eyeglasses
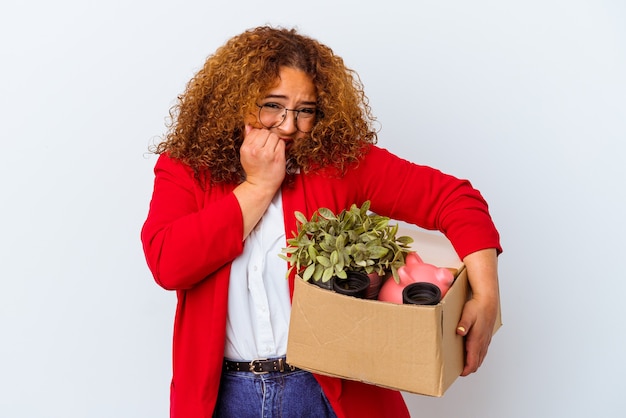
pixel 272 115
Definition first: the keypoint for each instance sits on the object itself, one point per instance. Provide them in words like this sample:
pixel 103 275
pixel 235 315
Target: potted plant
pixel 329 247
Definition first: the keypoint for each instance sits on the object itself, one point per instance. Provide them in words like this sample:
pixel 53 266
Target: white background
pixel 525 98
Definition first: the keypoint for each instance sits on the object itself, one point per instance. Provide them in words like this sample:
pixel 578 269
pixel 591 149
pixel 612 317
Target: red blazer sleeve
pixel 427 198
pixel 189 232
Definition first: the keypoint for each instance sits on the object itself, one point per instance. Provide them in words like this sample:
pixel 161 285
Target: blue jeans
pixel 294 394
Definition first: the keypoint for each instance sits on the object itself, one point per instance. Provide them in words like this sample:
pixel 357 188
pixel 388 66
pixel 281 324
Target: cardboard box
pixel 405 347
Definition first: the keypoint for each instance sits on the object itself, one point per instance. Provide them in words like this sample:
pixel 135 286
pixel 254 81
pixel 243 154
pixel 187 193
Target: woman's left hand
pixel 481 311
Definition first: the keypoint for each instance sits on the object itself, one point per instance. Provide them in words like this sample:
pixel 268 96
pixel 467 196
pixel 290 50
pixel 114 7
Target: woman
pixel 272 124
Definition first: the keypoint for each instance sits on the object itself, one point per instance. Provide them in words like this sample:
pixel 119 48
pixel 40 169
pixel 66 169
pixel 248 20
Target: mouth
pixel 291 165
pixel 288 144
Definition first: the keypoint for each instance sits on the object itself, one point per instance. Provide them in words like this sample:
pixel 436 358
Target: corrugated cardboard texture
pixel 409 348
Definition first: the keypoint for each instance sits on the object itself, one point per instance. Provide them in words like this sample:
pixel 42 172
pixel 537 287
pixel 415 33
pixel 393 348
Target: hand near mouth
pixel 262 157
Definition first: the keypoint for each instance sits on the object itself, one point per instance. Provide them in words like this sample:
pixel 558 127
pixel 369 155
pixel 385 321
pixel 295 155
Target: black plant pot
pixel 324 285
pixel 421 293
pixel 355 284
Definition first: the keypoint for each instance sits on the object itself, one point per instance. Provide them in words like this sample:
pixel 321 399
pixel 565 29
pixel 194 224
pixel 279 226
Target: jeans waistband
pixel 260 366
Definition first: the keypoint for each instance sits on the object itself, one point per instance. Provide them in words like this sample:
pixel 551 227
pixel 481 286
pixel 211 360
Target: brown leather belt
pixel 261 366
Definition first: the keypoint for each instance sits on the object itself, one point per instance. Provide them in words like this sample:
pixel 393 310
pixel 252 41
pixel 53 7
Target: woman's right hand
pixel 262 157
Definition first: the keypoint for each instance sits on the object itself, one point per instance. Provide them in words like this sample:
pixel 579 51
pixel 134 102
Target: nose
pixel 290 122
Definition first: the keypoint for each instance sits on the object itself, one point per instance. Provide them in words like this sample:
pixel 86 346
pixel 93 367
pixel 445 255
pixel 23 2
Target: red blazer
pixel 191 236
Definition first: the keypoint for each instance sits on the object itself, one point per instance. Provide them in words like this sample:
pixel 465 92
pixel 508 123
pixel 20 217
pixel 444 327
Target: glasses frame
pixel 284 118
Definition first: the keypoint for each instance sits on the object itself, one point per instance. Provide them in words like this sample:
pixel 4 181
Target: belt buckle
pixel 253 363
pixel 283 366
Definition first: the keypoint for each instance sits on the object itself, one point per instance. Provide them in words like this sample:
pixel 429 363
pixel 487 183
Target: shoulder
pixel 376 153
pixel 374 157
pixel 167 165
pixel 165 161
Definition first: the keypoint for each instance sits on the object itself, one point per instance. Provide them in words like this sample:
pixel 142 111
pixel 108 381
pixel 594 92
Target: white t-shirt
pixel 258 296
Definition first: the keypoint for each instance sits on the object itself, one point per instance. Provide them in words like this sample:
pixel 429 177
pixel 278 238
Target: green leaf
pixel 340 242
pixel 324 261
pixel 341 274
pixel 300 217
pixel 326 213
pixel 328 273
pixel 312 252
pixel 317 274
pixel 326 246
pixel 382 224
pixel 395 274
pixel 405 240
pixel 378 252
pixel 341 261
pixel 308 273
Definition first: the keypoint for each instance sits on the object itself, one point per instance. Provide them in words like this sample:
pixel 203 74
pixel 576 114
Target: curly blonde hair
pixel 207 122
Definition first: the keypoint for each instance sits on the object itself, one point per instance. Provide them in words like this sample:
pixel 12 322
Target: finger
pixel 473 360
pixel 273 143
pixel 256 138
pixel 476 347
pixel 280 145
pixel 465 323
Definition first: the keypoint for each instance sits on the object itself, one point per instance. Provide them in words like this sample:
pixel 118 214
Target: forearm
pixel 253 201
pixel 482 273
pixel 481 311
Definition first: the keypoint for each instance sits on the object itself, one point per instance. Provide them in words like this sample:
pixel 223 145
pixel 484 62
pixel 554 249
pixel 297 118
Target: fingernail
pixel 461 329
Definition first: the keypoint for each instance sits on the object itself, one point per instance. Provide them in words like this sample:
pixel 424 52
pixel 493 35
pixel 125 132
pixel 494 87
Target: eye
pixel 273 106
pixel 307 111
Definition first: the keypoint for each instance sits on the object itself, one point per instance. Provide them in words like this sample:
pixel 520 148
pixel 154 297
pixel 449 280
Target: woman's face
pixel 288 108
